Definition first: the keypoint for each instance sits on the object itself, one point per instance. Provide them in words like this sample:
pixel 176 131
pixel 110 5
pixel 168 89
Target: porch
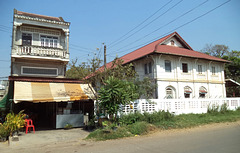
pixel 179 106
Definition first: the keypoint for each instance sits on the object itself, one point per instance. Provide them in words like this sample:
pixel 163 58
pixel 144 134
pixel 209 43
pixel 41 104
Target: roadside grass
pixel 140 124
pixel 108 134
pixel 193 120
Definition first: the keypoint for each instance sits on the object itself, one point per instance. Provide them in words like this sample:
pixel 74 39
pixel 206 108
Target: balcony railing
pixel 42 52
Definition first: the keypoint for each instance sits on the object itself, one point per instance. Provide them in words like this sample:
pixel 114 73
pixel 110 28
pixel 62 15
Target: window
pixel 172 42
pixel 39 71
pixel 185 67
pixel 213 70
pixel 48 41
pixel 145 69
pixel 170 92
pixel 148 68
pixel 202 92
pixel 168 66
pixel 199 69
pixel 187 92
pixel 26 39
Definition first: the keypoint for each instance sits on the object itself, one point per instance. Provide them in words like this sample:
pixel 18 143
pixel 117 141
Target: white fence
pixel 179 106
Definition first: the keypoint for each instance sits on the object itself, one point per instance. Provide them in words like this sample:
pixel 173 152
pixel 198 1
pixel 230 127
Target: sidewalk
pixel 46 137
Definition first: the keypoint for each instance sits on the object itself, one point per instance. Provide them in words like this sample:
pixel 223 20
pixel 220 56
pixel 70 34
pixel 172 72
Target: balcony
pixel 41 52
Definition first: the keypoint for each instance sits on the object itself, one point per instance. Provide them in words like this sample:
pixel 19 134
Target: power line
pixel 2 30
pixel 82 47
pixel 140 23
pixel 148 23
pixel 6 27
pixel 4 60
pixel 165 24
pixel 179 26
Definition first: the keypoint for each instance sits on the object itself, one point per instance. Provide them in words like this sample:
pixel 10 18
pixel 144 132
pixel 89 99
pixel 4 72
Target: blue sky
pixel 94 22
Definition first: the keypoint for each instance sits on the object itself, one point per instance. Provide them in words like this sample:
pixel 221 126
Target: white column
pixel 223 82
pixel 208 78
pixel 67 41
pixel 14 36
pixel 178 73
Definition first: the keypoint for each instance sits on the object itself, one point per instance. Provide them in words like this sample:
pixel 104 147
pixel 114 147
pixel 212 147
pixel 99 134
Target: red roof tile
pixel 40 16
pixel 165 49
pixel 158 47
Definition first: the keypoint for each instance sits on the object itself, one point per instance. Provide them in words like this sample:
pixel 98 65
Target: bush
pixel 146 117
pixel 3 131
pixel 14 122
pixel 224 108
pixel 140 128
pixel 103 134
pixel 212 110
pixel 131 118
pixel 216 109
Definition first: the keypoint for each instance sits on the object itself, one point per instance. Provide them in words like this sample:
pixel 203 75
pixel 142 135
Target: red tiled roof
pixel 141 52
pixel 158 47
pixel 165 49
pixel 40 16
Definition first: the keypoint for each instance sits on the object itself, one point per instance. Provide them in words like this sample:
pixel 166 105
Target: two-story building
pixel 178 70
pixel 40 54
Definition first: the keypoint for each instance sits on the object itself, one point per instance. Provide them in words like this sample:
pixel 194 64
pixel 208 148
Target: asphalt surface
pixel 215 138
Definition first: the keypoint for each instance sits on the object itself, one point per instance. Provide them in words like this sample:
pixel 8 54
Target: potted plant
pixel 14 122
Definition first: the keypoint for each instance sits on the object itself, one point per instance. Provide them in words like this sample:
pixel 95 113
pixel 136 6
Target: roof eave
pixel 224 61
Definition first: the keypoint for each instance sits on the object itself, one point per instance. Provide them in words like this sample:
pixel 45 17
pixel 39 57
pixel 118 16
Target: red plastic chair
pixel 29 124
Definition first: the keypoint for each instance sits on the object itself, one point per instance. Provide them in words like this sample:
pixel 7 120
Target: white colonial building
pixel 187 81
pixel 178 70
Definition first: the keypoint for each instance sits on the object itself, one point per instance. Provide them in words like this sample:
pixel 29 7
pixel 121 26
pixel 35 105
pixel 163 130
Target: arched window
pixel 202 92
pixel 187 92
pixel 170 92
pixel 172 42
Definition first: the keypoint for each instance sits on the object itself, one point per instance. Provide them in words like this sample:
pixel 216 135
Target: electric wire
pixel 177 18
pixel 186 23
pixel 140 23
pixel 148 23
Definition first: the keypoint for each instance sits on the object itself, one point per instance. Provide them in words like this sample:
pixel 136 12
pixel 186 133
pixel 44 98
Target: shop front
pixel 54 103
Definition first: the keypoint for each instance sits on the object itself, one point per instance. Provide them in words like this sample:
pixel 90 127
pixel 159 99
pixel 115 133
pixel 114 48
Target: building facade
pixel 37 85
pixel 39 45
pixel 178 70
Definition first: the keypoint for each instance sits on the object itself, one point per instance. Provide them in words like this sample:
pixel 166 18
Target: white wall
pixel 214 84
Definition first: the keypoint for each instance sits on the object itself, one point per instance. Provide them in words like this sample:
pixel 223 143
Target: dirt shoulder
pixel 75 144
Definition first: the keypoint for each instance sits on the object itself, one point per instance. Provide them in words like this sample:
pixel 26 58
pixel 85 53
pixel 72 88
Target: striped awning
pixel 51 92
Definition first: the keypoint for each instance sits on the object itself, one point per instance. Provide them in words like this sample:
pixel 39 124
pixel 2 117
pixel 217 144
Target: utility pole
pixel 105 61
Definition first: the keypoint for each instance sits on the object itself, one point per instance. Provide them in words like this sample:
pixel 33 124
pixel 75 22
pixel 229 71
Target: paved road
pixel 216 138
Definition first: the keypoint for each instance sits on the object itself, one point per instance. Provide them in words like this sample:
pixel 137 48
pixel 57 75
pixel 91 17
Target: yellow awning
pixel 51 92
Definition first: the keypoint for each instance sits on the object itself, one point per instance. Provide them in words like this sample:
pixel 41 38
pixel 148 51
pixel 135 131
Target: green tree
pixel 116 92
pixel 80 71
pixel 215 50
pixel 232 71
